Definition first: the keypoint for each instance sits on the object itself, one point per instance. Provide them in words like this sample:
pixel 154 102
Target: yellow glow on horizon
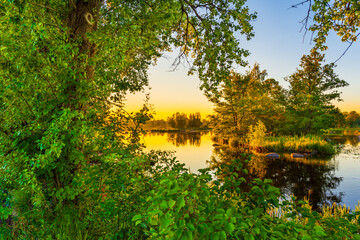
pixel 163 112
pixel 164 105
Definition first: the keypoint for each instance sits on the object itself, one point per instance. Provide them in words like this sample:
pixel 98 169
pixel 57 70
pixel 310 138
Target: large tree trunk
pixel 83 18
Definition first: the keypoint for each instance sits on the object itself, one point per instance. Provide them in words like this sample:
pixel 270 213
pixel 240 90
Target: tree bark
pixel 82 19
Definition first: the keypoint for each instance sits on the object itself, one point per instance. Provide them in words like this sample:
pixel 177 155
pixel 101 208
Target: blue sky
pixel 277 46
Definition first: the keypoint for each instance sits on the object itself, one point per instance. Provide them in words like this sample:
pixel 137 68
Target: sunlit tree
pixel 353 119
pixel 64 69
pixel 246 99
pixel 313 87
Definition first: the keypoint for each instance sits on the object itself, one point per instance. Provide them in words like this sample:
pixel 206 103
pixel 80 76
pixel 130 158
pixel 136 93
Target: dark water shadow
pixel 348 139
pixel 313 179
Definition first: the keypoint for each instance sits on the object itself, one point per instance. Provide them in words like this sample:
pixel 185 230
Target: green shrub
pixel 256 135
pixel 153 197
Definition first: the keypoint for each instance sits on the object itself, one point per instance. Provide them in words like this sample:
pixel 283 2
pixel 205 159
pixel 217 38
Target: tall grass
pixel 335 211
pixel 302 144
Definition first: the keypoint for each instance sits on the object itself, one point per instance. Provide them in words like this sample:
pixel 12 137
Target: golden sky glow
pixel 171 91
pixel 277 47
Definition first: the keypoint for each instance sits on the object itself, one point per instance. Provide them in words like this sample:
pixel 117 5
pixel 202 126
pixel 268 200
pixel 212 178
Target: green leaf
pixel 249 237
pixel 180 202
pixel 171 203
pixel 190 226
pixel 164 221
pixel 215 236
pixel 319 231
pixel 229 227
pixel 136 217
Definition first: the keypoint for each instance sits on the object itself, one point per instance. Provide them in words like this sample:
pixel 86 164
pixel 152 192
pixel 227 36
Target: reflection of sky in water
pixel 194 151
pixel 348 167
pixel 194 156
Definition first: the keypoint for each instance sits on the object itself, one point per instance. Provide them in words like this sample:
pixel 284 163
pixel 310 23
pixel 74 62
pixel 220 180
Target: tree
pixel 353 119
pixel 245 100
pixel 312 90
pixel 64 66
pixel 341 16
pixel 194 120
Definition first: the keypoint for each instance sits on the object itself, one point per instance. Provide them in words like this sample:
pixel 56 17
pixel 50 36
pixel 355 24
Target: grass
pixel 302 144
pixel 335 211
pixel 342 131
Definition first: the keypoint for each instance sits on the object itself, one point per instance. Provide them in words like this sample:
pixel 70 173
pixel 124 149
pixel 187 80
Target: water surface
pixel 322 181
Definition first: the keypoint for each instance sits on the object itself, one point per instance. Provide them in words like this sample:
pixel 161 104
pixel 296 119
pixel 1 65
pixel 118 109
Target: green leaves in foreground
pixel 189 206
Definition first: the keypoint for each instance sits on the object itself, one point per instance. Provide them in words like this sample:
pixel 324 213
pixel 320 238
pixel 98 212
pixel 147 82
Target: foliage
pixel 312 90
pixel 302 144
pixel 182 121
pixel 68 173
pixel 195 207
pixel 245 100
pixel 154 197
pixel 352 119
pixel 179 121
pixel 256 135
pixel 341 16
pixel 65 67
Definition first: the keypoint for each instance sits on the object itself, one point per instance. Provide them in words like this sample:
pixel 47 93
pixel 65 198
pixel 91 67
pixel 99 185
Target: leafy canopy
pixel 64 69
pixel 313 87
pixel 341 16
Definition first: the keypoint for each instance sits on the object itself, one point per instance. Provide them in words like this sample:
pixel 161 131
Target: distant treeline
pixel 179 121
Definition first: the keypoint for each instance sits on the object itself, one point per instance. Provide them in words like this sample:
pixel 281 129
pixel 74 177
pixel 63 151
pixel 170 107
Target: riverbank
pixel 174 130
pixel 341 132
pixel 308 144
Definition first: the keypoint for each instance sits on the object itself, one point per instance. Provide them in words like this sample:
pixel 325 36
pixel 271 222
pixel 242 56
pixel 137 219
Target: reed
pixel 301 144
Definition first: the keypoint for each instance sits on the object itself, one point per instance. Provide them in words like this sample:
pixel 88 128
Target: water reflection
pixel 320 180
pixel 304 178
pixel 352 140
pixel 182 138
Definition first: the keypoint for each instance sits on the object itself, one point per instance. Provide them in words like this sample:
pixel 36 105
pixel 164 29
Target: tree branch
pixel 347 49
pixel 43 6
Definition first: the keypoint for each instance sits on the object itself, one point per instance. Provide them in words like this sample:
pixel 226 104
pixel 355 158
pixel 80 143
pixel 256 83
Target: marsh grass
pixel 342 131
pixel 301 144
pixel 335 212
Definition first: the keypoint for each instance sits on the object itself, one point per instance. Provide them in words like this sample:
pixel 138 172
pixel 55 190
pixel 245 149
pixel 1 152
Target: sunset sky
pixel 277 46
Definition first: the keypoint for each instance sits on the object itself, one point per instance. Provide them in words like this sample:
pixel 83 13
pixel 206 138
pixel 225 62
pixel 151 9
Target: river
pixel 322 181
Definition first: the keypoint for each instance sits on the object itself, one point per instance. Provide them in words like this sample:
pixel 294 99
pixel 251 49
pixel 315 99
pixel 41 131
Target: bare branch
pixel 72 3
pixel 298 4
pixel 351 43
pixel 194 10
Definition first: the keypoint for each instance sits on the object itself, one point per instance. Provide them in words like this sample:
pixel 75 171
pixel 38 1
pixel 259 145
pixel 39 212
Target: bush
pixel 256 136
pixel 153 196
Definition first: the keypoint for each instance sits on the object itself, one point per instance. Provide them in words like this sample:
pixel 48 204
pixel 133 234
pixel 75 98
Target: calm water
pixel 322 181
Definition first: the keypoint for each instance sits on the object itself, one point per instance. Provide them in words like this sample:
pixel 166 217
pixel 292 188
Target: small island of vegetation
pixel 257 113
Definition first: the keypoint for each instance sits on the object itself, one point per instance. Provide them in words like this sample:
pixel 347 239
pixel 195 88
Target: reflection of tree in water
pixel 302 178
pixel 156 133
pixel 352 140
pixel 314 181
pixel 185 138
pixel 225 155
